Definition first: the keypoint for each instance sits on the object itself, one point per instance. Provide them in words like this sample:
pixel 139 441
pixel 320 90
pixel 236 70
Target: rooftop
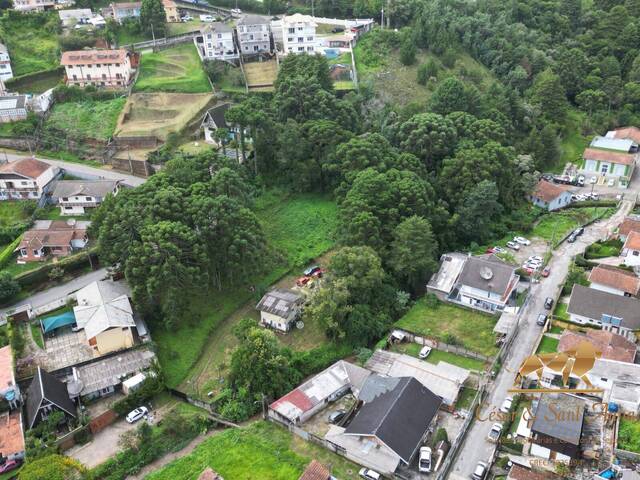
pixel 620 144
pixel 26 167
pixel 299 18
pixel 83 57
pixel 280 301
pixel 315 471
pixel 559 417
pixel 12 102
pixel 488 273
pixel 593 304
pixel 11 434
pixel 253 20
pixel 521 473
pixel 548 192
pixel 102 305
pixel 450 267
pixel 217 27
pixel 45 386
pixel 609 156
pixel 612 346
pixel 398 411
pixel 94 188
pixel 617 278
pixel 6 368
pixel 633 241
pixel 632 133
pixel 53 233
pixel 629 224
pixel 443 379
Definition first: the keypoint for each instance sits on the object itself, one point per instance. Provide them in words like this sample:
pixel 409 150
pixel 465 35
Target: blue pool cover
pixel 58 321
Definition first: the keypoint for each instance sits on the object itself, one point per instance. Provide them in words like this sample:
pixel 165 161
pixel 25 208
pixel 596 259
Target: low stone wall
pixel 102 421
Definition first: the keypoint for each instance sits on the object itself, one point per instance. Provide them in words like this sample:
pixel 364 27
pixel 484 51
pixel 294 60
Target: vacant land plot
pixel 261 74
pixel 32 41
pixel 379 66
pixel 298 228
pixel 92 119
pixel 451 324
pixel 437 356
pixel 176 70
pixel 548 345
pixel 263 451
pixel 159 113
pixel 13 212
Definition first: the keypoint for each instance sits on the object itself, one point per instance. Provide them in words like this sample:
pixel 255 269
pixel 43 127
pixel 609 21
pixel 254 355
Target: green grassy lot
pixel 262 450
pixel 16 129
pixel 610 248
pixel 37 84
pixel 466 398
pixel 560 311
pixel 556 329
pixel 396 84
pixel 629 435
pixel 299 228
pixel 473 330
pixel 32 41
pixel 548 345
pixel 440 356
pixel 52 212
pixel 573 142
pixel 11 212
pixel 36 333
pixel 92 119
pixel 176 70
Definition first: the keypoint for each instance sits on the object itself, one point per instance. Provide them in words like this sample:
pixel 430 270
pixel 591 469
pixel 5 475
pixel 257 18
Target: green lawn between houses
pixel 92 119
pixel 446 322
pixel 299 228
pixel 629 435
pixel 261 451
pixel 548 345
pixel 176 70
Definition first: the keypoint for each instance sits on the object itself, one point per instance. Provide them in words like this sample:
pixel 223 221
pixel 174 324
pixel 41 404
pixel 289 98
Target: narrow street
pixel 476 447
pixel 82 170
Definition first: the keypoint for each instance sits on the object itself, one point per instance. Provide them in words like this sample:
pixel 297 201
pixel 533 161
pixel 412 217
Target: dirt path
pixel 167 459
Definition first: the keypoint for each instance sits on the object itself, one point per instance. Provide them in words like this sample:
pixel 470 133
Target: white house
pixel 254 34
pixel 25 179
pixel 631 249
pixel 611 163
pixel 100 68
pixel 75 196
pixel 33 5
pixel 295 34
pixel 218 43
pixel 550 196
pixel 75 16
pixel 5 64
pixel 280 308
pixel 13 108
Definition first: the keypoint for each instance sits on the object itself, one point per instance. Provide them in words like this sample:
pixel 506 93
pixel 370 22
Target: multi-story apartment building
pixel 254 34
pixel 100 68
pixel 5 64
pixel 218 42
pixel 31 5
pixel 295 34
pixel 25 179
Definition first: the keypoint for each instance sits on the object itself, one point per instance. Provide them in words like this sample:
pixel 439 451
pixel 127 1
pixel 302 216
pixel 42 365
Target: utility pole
pixel 153 35
pixel 312 8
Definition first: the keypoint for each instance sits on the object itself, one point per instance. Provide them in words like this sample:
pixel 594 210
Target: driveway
pixel 475 446
pixel 84 171
pixel 103 446
pixel 47 296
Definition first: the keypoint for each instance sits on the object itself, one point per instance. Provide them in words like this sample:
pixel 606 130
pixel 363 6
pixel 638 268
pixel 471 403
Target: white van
pixel 207 18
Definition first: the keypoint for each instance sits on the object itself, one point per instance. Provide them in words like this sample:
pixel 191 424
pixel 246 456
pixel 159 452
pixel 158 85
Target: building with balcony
pixel 26 179
pixel 254 35
pixel 74 197
pixel 100 68
pixel 218 43
pixel 295 34
pixel 5 64
pixel 33 5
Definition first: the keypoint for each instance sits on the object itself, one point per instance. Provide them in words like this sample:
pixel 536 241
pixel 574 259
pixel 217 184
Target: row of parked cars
pixel 480 472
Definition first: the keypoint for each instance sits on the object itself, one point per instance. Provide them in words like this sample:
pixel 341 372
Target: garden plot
pixel 261 74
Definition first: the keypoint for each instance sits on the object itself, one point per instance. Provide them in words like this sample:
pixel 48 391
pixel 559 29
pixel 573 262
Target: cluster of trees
pixel 188 227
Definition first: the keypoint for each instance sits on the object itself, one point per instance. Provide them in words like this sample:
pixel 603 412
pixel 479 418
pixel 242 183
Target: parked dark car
pixel 572 238
pixel 336 416
pixel 578 231
pixel 542 319
pixel 548 303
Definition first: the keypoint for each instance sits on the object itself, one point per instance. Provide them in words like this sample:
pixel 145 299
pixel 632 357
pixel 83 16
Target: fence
pixel 102 421
pixel 50 307
pixel 209 407
pixel 164 42
pixel 444 346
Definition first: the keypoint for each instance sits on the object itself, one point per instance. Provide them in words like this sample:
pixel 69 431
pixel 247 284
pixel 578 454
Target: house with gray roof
pixel 557 427
pixel 483 282
pixel 390 425
pixel 254 34
pixel 218 42
pixel 614 313
pixel 75 196
pixel 280 308
pixel 45 395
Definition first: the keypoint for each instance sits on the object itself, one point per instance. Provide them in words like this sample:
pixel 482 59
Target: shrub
pixel 153 385
pixel 440 436
pixel 16 338
pixel 449 58
pixel 56 273
pixel 8 286
pixel 408 51
pixel 363 354
pixel 52 467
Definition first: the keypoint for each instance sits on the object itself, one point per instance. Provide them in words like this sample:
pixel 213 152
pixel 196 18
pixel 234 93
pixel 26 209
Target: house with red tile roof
pixel 611 157
pixel 615 280
pixel 550 196
pixel 100 68
pixel 630 223
pixel 26 179
pixel 625 133
pixel 631 249
pixel 613 346
pixel 52 238
pixel 315 471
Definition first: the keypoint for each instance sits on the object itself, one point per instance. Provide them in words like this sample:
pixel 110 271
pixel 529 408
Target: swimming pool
pixel 331 53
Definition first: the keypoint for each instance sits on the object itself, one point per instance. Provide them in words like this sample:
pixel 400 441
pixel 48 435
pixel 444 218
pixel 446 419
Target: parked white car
pixel 187 18
pixel 611 182
pixel 495 432
pixel 424 352
pixel 522 240
pixel 506 405
pixel 513 245
pixel 535 258
pixel 236 11
pixel 207 18
pixel 369 474
pixel 424 463
pixel 593 179
pixel 135 415
pixel 480 471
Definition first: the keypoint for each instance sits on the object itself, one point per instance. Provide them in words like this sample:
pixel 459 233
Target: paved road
pixel 47 296
pixel 84 170
pixel 476 447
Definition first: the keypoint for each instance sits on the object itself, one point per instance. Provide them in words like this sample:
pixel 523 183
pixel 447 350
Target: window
pixel 23 252
pixel 219 35
pixel 636 253
pixel 603 379
pixel 300 39
pixel 289 39
pixel 250 37
pixel 88 199
pixel 255 48
pixel 310 39
pixel 36 253
pixel 68 208
pixel 75 77
pixel 97 65
pixel 118 75
pixel 292 30
pixel 301 49
pixel 604 168
pixel 104 76
pixel 209 36
pixel 613 320
pixel 309 49
pixel 299 29
pixel 65 199
pixel 88 76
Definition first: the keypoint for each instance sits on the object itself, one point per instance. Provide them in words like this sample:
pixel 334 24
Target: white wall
pixel 606 288
pixel 631 257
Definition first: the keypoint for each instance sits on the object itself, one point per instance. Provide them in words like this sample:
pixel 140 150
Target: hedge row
pixel 69 264
pixel 7 253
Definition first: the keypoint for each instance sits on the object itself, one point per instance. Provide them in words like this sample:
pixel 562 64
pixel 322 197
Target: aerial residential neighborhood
pixel 319 240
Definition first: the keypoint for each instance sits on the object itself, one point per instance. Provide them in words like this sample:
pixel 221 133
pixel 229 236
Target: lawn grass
pixel 548 345
pixel 440 356
pixel 465 398
pixel 629 435
pixel 52 212
pixel 177 70
pixel 32 41
pixel 560 311
pixel 12 212
pixel 473 330
pixel 298 228
pixel 556 329
pixel 573 142
pixel 36 333
pixel 91 119
pixel 262 450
